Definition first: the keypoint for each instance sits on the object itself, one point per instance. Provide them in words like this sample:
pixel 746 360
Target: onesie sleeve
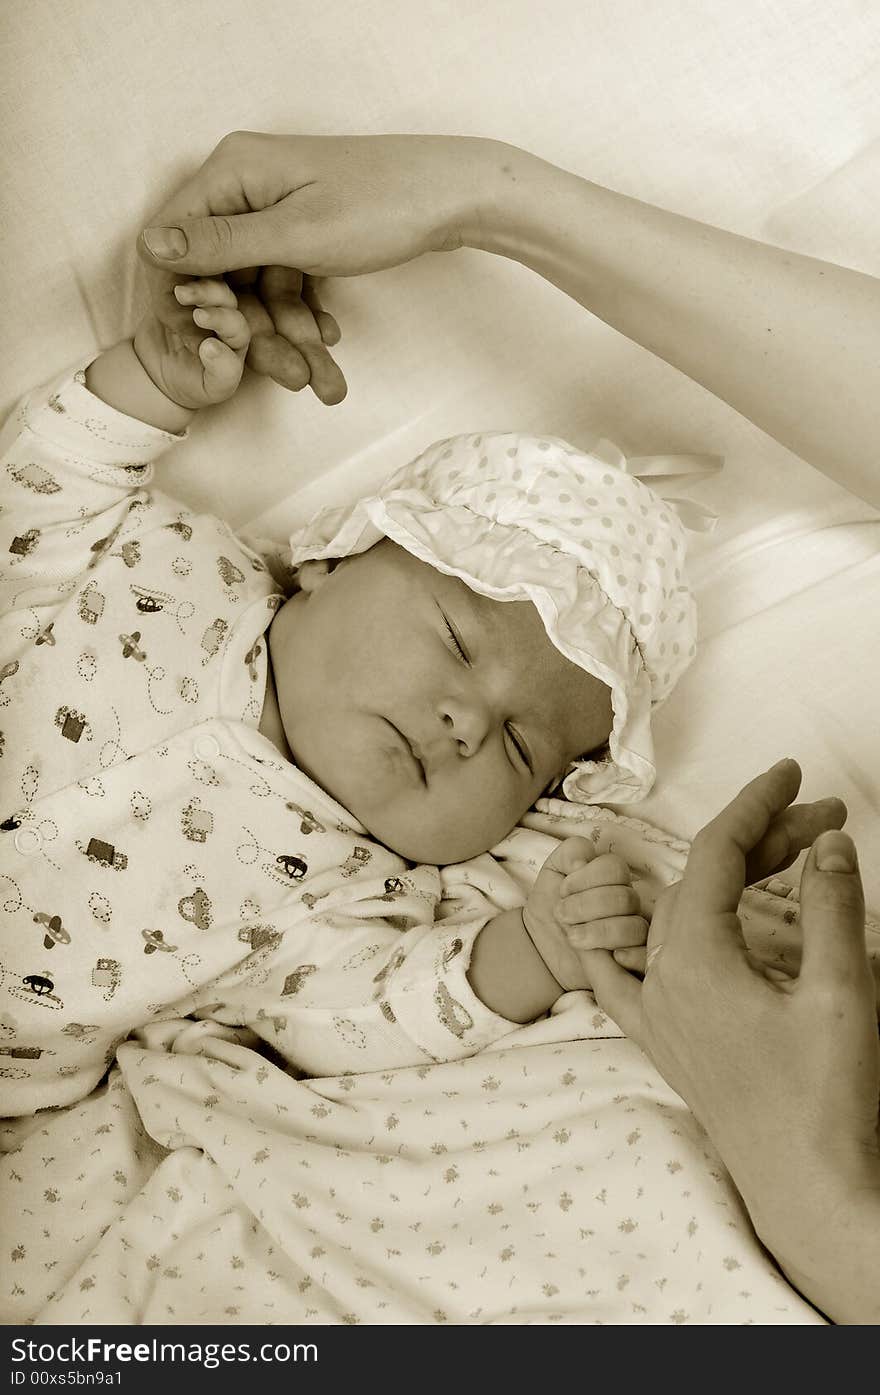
pixel 375 984
pixel 70 465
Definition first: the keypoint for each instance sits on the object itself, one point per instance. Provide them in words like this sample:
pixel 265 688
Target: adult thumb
pixel 833 914
pixel 211 246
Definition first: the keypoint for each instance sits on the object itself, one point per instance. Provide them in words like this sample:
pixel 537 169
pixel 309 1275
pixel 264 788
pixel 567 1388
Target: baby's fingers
pixel 615 932
pixel 228 325
pixel 205 291
pixel 605 870
pixel 599 903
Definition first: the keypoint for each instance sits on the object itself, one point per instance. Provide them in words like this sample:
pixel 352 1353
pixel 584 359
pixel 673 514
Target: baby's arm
pixel 525 958
pixel 162 377
pixel 120 380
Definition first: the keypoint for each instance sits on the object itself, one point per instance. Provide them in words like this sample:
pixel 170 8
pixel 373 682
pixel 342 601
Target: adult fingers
pixel 832 916
pixel 329 327
pixel 281 290
pixel 271 355
pixel 205 246
pixel 248 279
pixel 633 957
pixel 617 993
pixel 714 878
pixel 794 829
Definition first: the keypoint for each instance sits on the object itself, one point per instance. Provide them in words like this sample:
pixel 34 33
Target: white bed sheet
pixel 764 119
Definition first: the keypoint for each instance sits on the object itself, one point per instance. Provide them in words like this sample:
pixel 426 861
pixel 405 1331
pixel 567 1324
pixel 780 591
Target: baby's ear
pixel 312 574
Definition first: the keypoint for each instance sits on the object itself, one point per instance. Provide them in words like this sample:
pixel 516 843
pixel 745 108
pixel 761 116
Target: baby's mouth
pixel 412 750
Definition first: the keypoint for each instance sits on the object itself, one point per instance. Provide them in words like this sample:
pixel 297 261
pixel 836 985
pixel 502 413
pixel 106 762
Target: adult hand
pixel 783 1075
pixel 288 329
pixel 273 208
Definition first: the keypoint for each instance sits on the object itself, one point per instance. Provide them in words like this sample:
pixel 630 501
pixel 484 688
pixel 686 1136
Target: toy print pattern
pixel 157 856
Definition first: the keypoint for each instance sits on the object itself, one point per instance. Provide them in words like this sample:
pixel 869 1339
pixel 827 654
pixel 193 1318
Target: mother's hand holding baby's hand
pixel 321 205
pixel 581 902
pixel 784 1076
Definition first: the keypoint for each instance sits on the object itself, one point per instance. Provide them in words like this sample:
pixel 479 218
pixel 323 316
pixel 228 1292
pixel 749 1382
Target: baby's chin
pixel 440 847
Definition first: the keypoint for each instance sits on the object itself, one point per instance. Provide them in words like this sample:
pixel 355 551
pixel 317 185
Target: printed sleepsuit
pixel 158 857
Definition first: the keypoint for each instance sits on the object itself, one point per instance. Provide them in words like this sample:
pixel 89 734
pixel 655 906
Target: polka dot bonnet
pixel 599 553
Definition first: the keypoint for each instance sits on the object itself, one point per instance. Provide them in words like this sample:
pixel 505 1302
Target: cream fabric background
pixel 759 118
pixel 764 119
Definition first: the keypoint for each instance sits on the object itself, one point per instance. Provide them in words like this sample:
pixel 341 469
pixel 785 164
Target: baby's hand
pixel 202 367
pixel 581 902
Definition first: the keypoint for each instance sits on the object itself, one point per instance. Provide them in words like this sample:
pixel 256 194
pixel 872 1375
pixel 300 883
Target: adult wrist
pixel 507 214
pixel 803 1225
pixel 833 1257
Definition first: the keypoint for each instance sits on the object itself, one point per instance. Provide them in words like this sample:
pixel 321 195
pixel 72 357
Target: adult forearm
pixel 814 1202
pixel 835 1261
pixel 790 342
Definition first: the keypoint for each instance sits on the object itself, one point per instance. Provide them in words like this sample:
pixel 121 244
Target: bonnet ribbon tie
pixel 665 472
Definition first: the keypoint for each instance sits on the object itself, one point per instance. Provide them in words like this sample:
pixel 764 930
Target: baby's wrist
pixel 537 937
pixel 119 378
pixel 507 972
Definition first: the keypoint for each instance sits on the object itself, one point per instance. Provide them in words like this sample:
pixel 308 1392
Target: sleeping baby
pixel 267 796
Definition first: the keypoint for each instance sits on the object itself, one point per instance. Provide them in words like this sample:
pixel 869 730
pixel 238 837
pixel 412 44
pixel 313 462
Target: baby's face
pixel 438 753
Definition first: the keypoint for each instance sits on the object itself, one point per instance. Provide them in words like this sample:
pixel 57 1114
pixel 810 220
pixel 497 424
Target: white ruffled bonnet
pixel 599 554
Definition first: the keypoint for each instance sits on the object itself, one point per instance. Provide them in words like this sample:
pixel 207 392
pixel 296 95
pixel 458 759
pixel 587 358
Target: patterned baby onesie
pixel 158 858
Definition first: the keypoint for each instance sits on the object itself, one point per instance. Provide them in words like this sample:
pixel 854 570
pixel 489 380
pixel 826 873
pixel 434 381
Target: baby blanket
pixel 554 1178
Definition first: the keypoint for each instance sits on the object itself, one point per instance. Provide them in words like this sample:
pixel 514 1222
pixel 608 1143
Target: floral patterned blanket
pixel 554 1178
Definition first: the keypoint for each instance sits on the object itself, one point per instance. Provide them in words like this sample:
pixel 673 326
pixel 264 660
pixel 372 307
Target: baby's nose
pixel 466 721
